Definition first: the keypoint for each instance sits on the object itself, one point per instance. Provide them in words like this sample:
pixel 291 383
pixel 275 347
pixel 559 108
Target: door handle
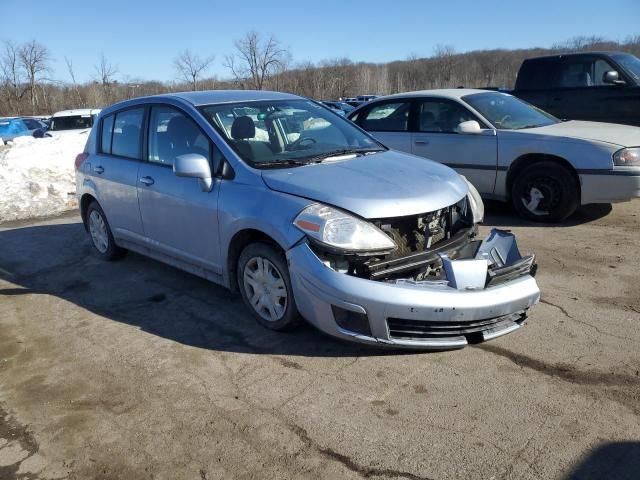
pixel 557 99
pixel 98 169
pixel 147 181
pixel 421 142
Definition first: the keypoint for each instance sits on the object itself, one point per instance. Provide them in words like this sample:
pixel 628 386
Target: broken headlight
pixel 627 157
pixel 342 231
pixel 475 200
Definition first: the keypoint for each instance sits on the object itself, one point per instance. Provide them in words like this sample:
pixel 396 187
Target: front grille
pixel 406 329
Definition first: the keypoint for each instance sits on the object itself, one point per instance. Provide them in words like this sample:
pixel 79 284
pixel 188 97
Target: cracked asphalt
pixel 135 370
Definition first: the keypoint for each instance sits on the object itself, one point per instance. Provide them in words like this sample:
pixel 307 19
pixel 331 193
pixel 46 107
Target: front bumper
pixel 422 315
pixel 607 186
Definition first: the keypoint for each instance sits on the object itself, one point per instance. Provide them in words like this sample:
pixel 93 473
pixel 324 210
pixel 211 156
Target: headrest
pixel 243 128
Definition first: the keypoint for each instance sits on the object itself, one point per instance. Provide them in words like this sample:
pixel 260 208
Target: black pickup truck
pixel 596 86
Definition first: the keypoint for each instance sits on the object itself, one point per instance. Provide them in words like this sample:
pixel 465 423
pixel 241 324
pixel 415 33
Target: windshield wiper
pixel 279 163
pixel 344 151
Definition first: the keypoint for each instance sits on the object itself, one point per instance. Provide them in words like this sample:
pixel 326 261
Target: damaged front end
pixel 432 249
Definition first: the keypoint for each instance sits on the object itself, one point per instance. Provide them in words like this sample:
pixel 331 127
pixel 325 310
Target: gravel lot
pixel 135 370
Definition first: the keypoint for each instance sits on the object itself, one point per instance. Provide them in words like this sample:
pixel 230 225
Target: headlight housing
pixel 475 200
pixel 627 157
pixel 342 231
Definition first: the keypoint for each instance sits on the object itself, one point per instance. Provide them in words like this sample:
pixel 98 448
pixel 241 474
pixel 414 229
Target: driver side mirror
pixel 469 127
pixel 196 166
pixel 612 77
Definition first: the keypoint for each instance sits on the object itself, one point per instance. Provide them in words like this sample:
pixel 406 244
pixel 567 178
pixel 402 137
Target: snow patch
pixel 37 176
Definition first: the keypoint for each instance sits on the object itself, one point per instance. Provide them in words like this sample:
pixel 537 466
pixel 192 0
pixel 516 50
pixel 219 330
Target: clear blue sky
pixel 142 37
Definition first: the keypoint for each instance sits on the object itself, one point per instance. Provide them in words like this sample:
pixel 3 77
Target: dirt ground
pixel 135 370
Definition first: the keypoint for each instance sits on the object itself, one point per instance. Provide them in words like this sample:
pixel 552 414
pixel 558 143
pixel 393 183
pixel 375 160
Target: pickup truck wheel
pixel 100 232
pixel 265 286
pixel 545 192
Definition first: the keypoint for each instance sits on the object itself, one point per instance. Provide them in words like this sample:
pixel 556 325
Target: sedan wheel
pixel 265 289
pixel 265 286
pixel 98 231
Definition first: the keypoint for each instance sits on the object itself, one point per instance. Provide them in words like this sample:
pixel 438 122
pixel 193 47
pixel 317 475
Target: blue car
pixel 11 128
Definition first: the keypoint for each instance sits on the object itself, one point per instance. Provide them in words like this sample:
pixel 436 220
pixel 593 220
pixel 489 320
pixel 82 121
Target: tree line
pixel 28 87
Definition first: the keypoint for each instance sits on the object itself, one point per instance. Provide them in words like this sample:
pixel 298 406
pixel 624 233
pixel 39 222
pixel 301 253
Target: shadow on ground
pixel 500 214
pixel 57 260
pixel 610 461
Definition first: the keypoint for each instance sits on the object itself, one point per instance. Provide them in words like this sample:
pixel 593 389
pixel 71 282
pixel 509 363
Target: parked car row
pixel 66 121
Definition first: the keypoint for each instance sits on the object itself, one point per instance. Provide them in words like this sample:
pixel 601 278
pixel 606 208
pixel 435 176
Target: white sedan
pixel 511 150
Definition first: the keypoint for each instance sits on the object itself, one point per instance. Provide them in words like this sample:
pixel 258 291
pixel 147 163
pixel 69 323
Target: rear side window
pixel 107 134
pixel 126 133
pixel 538 74
pixel 387 117
pixel 172 133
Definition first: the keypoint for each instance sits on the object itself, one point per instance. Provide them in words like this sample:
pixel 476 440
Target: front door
pixel 178 217
pixel 436 137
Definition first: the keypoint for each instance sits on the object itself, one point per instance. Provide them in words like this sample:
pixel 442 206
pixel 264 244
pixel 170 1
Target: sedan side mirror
pixel 469 127
pixel 196 166
pixel 612 77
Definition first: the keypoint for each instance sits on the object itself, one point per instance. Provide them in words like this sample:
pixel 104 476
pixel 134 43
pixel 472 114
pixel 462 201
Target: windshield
pixel 508 112
pixel 72 122
pixel 287 132
pixel 630 63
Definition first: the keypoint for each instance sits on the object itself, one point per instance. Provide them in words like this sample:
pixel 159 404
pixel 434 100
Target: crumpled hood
pixel 622 135
pixel 385 184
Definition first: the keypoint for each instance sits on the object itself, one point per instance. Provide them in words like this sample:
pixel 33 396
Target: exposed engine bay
pixel 426 245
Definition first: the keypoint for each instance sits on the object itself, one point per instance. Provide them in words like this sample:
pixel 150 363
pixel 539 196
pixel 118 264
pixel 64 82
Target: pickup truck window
pixel 507 112
pixel 583 71
pixel 630 63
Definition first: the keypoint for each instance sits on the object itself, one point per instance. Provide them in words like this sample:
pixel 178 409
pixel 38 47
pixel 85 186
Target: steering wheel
pixel 504 119
pixel 302 142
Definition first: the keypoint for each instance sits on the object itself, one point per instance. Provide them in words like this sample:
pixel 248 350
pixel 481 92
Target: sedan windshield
pixel 287 132
pixel 507 112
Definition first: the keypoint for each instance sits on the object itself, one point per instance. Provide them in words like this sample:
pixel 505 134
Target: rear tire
pixel 545 192
pixel 265 286
pixel 100 234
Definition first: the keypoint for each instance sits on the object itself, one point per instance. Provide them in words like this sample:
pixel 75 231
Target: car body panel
pixel 385 184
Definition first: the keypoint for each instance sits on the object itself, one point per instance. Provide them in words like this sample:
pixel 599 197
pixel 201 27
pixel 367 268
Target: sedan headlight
pixel 627 157
pixel 341 230
pixel 475 200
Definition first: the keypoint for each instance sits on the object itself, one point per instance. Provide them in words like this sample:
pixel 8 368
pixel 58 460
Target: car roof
pixel 442 93
pixel 79 111
pixel 576 54
pixel 208 97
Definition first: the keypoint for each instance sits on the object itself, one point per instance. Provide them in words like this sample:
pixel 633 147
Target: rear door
pixel 436 137
pixel 179 218
pixel 388 121
pixel 114 170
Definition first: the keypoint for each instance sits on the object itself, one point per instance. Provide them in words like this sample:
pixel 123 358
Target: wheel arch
pixel 237 244
pixel 527 159
pixel 85 201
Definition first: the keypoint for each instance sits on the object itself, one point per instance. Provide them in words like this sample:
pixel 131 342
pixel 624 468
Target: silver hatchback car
pixel 303 213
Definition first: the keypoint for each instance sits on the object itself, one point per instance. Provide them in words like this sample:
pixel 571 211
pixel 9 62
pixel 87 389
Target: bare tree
pixel 190 67
pixel 11 76
pixel 34 60
pixel 106 73
pixel 256 58
pixel 445 56
pixel 73 80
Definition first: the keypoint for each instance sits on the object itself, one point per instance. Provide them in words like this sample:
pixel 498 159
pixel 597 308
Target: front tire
pixel 265 286
pixel 100 233
pixel 545 192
